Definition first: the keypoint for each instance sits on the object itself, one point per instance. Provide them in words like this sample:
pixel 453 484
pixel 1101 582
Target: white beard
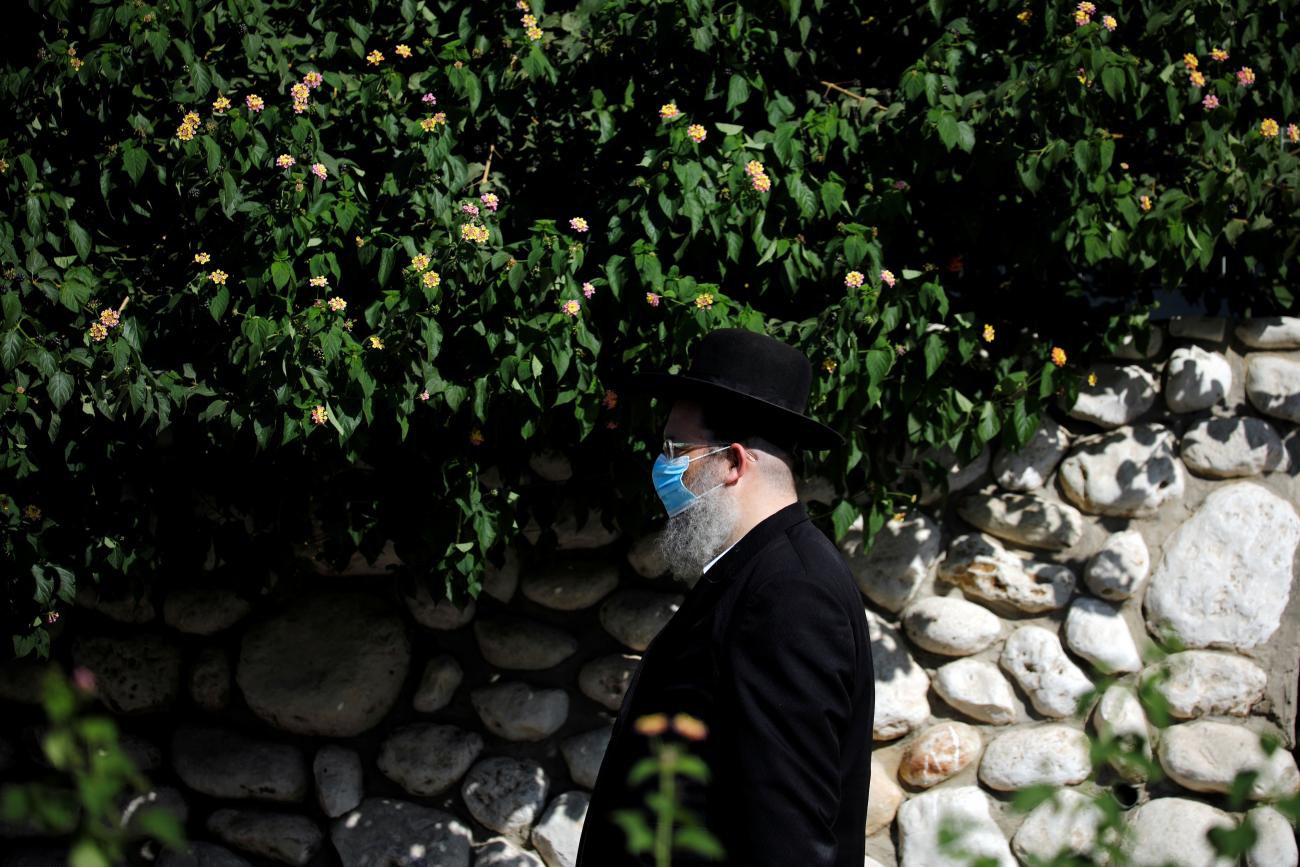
pixel 694 537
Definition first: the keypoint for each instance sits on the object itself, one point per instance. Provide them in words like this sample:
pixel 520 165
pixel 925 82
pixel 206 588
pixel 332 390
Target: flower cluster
pixel 696 133
pixel 108 318
pixel 1109 22
pixel 588 290
pixel 419 261
pixel 318 415
pixel 1144 202
pixel 189 126
pixel 887 277
pixel 476 437
pixel 299 92
pixel 1210 103
pixel 431 279
pixel 704 300
pixel 429 99
pixel 202 258
pixel 758 176
pixel 469 208
pixel 669 110
pixel 374 58
pixel 375 342
pixel 473 232
pixel 685 725
pixel 854 279
pixel 578 224
pixel 320 282
pixel 1293 133
pixel 254 103
pixel 490 201
pixel 219 277
pixel 1245 76
pixel 528 21
pixel 318 169
pixel 1058 356
pixel 402 50
pixel 313 79
pixel 285 161
pixel 337 304
pixel 570 307
pixel 1268 128
pixel 652 299
pixel 989 333
pixel 429 124
pixel 220 104
pixel 610 400
pixel 1218 54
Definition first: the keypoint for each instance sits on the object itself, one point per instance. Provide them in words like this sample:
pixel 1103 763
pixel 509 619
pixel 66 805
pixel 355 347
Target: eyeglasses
pixel 674 449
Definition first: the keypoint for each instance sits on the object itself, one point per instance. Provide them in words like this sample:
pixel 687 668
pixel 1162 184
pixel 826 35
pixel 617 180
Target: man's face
pixel 693 537
pixel 685 424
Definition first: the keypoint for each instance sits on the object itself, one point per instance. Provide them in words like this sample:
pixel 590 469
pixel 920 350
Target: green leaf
pixel 843 516
pixel 782 142
pixel 134 159
pixel 387 259
pixel 1112 81
pixel 947 126
pixel 832 197
pixel 966 136
pixel 60 389
pixel 737 91
pixel 217 305
pixel 11 348
pixel 936 349
pixel 80 239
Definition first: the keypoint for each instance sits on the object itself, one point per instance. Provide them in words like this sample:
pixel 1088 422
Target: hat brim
pixel 808 433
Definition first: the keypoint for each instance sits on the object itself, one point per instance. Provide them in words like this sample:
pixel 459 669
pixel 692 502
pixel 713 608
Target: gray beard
pixel 693 538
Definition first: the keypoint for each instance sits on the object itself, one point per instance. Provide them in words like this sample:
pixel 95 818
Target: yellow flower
pixel 668 110
pixel 184 132
pixel 1218 54
pixel 97 331
pixel 419 262
pixel 220 104
pixel 1292 133
pixel 1092 379
pixel 1023 17
pixel 202 258
pixel 762 183
pixel 829 365
pixel 989 333
pixel 218 277
pixel 32 512
pixel 704 300
pixel 1144 202
pixel 534 33
pixel 477 234
pixel 318 415
pixel 696 133
pixel 108 317
pixel 689 727
pixel 431 279
pixel 318 282
pixel 1058 356
pixel 375 342
pixel 402 50
pixel 651 724
pixel 76 62
pixel 529 20
pixel 854 279
pixel 374 58
pixel 1268 128
pixel 337 304
pixel 570 307
pixel 1190 61
pixel 1197 78
pixel 754 168
pixel 476 437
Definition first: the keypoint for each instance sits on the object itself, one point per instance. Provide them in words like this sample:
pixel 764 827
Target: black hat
pixel 758 377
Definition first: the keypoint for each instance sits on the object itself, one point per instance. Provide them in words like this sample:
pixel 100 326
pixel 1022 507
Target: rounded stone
pixel 950 626
pixel 130 605
pixel 1227 571
pixel 1096 631
pixel 1034 657
pixel 883 798
pixel 442 677
pixel 1130 472
pixel 1051 755
pixel 551 465
pixel 427 759
pixel 634 617
pixel 1196 379
pixel 1023 519
pixel 902 686
pixel 196 854
pixel 506 795
pixel 558 831
pixel 902 556
pixel 339 779
pixel 924 820
pixel 570 585
pixel 226 764
pixel 605 679
pixel 1273 386
pixel 957 475
pixel 1270 332
pixel 646 557
pixel 1227 448
pixel 161 799
pixel 1167 831
pixel 1208 682
pixel 1066 824
pixel 517 712
pixel 500 852
pixel 583 754
pixel 281 837
pixel 1120 567
pixel 501 581
pixel 332 665
pixel 1141 346
pixel 428 603
pixel 522 645
pixel 1205 756
pixel 209 680
pixel 1119 716
pixel 386 831
pixel 204 611
pixel 982 568
pixel 1208 329
pixel 977 689
pixel 1031 467
pixel 1275 840
pixel 141 674
pixel 1120 395
pixel 938 753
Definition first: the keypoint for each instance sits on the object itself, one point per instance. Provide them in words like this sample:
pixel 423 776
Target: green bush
pixel 176 384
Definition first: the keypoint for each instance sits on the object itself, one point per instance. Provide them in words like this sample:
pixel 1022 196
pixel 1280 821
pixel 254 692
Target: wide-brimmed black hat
pixel 762 379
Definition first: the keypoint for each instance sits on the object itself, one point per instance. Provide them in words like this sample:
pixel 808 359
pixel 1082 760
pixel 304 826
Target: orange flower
pixel 689 727
pixel 1058 356
pixel 651 724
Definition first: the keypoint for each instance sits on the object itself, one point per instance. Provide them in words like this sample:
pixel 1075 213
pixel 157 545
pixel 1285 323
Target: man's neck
pixel 756 513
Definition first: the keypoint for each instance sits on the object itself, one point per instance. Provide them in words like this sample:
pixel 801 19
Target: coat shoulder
pixel 803 559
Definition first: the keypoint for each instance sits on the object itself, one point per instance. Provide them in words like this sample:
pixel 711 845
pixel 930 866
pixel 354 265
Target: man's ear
pixel 739 464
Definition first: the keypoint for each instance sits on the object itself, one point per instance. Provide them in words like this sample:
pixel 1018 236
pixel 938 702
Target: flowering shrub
pixel 601 184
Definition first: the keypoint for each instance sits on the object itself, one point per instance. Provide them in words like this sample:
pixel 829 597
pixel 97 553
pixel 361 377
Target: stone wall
pixel 363 723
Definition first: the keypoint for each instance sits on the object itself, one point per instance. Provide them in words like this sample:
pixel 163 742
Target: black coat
pixel 770 649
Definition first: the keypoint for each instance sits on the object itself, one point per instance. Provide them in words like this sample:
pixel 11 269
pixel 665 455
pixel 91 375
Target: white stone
pixel 1131 345
pixel 523 645
pixel 551 465
pixel 950 626
pixel 501 581
pixel 506 795
pixel 1275 841
pixel 1166 831
pixel 883 797
pixel 288 839
pixel 1226 574
pixel 442 677
pixel 1205 682
pixel 901 685
pixel 1034 657
pixel 965 810
pixel 646 557
pixel 938 753
pixel 500 852
pixel 517 712
pixel 209 680
pixel 1196 379
pixel 1205 756
pixel 902 556
pixel 140 674
pixel 1051 754
pixel 131 605
pixel 226 764
pixel 977 689
pixel 1129 473
pixel 1065 824
pixel 340 783
pixel 958 476
pixel 583 754
pixel 429 605
pixel 427 759
pixel 634 617
pixel 1031 467
pixel 1270 332
pixel 332 665
pixel 1209 329
pixel 1225 448
pixel 385 831
pixel 1119 716
pixel 204 611
pixel 1120 567
pixel 1023 519
pixel 573 531
pixel 570 585
pixel 982 568
pixel 1273 386
pixel 160 799
pixel 1096 631
pixel 1121 394
pixel 556 835
pixel 605 679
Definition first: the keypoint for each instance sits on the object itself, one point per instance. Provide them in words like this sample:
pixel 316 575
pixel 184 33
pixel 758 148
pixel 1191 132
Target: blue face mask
pixel 672 491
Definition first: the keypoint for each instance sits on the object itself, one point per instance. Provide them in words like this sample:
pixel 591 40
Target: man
pixel 770 646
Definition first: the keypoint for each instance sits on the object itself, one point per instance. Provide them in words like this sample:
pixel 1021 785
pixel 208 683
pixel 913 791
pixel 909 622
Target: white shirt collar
pixel 709 564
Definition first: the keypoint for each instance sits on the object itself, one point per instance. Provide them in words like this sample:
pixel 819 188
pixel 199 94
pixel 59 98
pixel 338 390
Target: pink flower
pixel 1210 103
pixel 318 169
pixel 424 395
pixel 578 224
pixel 696 133
pixel 84 679
pixel 610 400
pixel 285 161
pixel 429 99
pixel 1292 133
pixel 255 103
pixel 887 277
pixel 1109 22
pixel 490 201
pixel 652 299
pixel 570 307
pixel 312 80
pixel 588 290
pixel 1245 76
pixel 469 208
pixel 853 279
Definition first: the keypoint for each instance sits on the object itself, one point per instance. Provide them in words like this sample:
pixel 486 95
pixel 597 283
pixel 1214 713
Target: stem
pixel 664 828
